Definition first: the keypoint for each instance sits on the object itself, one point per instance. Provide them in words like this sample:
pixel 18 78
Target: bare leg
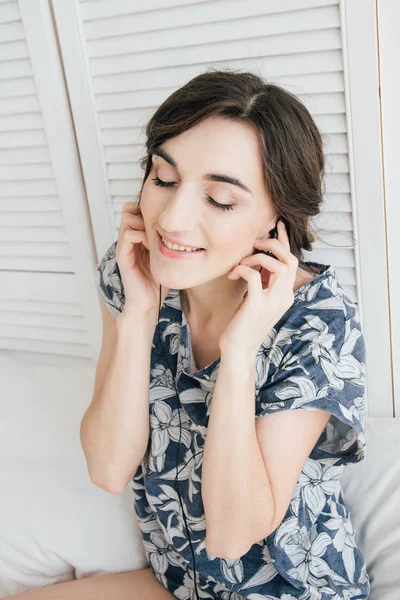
pixel 131 585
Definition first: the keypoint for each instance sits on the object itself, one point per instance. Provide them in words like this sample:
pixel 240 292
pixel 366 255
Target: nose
pixel 180 214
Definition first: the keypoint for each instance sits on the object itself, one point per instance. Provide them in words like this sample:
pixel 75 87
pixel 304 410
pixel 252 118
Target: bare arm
pixel 115 428
pixel 237 498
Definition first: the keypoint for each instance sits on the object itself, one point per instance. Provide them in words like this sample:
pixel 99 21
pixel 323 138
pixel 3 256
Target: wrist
pixel 238 359
pixel 132 318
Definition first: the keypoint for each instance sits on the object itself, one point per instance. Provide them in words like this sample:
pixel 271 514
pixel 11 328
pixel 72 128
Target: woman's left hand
pixel 262 308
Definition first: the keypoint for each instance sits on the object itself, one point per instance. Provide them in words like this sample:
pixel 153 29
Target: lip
pixel 174 241
pixel 176 253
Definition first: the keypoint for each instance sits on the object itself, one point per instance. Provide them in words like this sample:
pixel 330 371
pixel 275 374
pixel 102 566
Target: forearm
pixel 115 427
pixel 236 492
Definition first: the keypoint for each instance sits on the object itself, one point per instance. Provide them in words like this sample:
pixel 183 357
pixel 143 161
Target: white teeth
pixel 176 247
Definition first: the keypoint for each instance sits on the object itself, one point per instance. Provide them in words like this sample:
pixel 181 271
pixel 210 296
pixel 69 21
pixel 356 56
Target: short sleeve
pixel 317 361
pixel 109 281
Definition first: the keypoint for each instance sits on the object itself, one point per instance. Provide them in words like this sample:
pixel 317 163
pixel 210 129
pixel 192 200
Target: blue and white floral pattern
pixel 312 359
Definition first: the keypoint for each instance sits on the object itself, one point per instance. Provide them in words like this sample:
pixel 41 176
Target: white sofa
pixel 56 525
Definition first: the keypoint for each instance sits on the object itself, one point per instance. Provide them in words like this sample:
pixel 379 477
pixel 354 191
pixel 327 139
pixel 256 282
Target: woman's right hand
pixel 142 292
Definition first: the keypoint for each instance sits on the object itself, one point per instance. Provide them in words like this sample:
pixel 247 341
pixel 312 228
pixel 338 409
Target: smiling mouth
pixel 181 248
pixel 177 254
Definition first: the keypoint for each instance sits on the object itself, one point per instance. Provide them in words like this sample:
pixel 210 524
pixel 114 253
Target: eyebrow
pixel 208 176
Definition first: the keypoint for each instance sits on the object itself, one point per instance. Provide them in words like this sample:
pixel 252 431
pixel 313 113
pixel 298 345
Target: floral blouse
pixel 313 358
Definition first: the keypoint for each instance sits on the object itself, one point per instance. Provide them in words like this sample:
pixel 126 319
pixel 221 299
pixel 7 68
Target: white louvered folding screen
pixel 44 227
pixel 138 53
pixel 67 142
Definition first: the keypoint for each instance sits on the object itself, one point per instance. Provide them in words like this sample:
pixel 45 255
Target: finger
pixel 267 262
pixel 252 277
pixel 129 206
pixel 283 234
pixel 277 247
pixel 133 219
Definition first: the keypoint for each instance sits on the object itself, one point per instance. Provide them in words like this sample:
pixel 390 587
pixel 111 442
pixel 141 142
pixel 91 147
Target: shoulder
pixel 322 323
pixel 322 297
pixel 109 281
pixel 314 357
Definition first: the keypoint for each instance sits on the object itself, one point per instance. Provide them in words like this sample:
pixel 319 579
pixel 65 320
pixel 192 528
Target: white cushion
pixel 55 524
pixel 371 489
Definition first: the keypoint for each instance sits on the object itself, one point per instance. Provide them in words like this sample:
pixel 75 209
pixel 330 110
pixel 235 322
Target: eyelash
pixel 158 181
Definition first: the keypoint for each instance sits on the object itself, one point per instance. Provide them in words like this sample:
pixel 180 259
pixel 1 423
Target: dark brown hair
pixel 290 143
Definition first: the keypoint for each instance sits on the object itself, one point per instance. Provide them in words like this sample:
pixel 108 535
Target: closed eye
pixel 159 182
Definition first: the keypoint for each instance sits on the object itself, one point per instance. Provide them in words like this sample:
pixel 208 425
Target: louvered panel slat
pixel 337 202
pixel 334 221
pixel 303 84
pixel 331 123
pixel 19 139
pixel 8 12
pixel 35 320
pixel 50 349
pixel 19 156
pixel 198 14
pixel 11 31
pixel 22 205
pixel 328 124
pixel 16 105
pixel 64 309
pixel 34 218
pixel 334 240
pixel 40 287
pixel 337 183
pixel 337 163
pixel 14 50
pixel 218 41
pixel 95 9
pixel 42 250
pixel 24 172
pixel 323 103
pixel 345 257
pixel 36 188
pixel 51 264
pixel 36 234
pixel 275 66
pixel 42 312
pixel 318 104
pixel 42 332
pixel 335 143
pixel 41 307
pixel 23 122
pixel 17 87
pixel 15 68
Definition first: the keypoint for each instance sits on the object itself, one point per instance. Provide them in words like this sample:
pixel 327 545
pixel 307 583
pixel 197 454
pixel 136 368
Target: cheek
pixel 231 239
pixel 148 202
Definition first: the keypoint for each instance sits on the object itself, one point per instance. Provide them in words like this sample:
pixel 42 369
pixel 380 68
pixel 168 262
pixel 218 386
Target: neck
pixel 209 305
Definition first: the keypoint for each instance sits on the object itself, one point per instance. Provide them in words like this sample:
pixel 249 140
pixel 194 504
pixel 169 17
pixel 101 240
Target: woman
pixel 268 487
pixel 257 399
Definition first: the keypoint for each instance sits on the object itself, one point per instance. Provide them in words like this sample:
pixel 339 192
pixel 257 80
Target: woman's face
pixel 184 211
